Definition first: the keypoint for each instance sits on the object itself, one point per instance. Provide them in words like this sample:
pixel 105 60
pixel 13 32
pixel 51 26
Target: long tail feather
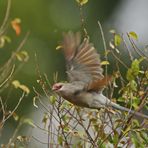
pixel 121 108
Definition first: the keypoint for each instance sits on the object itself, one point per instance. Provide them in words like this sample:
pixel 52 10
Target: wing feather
pixel 83 61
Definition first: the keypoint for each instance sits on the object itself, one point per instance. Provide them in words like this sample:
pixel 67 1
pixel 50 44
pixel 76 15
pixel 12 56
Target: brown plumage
pixel 83 62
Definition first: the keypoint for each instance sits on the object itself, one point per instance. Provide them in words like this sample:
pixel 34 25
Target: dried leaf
pixel 23 139
pixel 15 116
pixel 16 25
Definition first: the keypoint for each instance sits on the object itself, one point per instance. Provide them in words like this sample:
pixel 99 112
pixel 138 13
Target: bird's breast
pixel 83 99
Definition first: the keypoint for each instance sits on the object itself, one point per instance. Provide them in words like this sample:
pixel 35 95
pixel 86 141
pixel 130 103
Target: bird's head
pixel 64 89
pixel 57 87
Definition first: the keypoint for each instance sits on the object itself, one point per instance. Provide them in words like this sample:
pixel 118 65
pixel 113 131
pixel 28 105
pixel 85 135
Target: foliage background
pixel 46 20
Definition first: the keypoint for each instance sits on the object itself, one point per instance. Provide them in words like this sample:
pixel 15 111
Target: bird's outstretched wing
pixel 83 62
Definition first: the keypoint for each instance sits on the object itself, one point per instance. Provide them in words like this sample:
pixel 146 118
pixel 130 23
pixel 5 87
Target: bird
pixel 86 81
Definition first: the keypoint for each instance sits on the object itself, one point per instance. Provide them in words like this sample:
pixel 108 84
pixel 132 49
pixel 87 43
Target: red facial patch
pixel 56 87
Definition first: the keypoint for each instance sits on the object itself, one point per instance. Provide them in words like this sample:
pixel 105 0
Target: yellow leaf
pixel 133 35
pixel 3 40
pixel 16 83
pixel 82 2
pixel 25 89
pixel 58 47
pixel 104 63
pixel 117 40
pixel 22 56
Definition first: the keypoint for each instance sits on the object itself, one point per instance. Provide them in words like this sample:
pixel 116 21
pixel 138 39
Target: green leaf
pixel 144 135
pixel 129 75
pixel 7 39
pixel 65 118
pixel 135 102
pixel 133 72
pixel 60 140
pixel 133 85
pixel 133 35
pixel 146 74
pixel 121 99
pixel 29 121
pixel 135 66
pixel 45 118
pixel 115 138
pixel 136 122
pixel 52 99
pixel 127 130
pixel 66 129
pixel 117 40
pixel 110 138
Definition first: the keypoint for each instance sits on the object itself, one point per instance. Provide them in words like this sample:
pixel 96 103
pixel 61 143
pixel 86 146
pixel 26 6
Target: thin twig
pixel 119 60
pixel 3 109
pixel 40 141
pixel 15 108
pixel 60 122
pixel 11 140
pixel 129 52
pixel 83 21
pixel 138 51
pixel 2 28
pixel 7 79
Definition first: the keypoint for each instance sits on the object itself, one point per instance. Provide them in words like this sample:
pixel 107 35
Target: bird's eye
pixel 56 87
pixel 59 86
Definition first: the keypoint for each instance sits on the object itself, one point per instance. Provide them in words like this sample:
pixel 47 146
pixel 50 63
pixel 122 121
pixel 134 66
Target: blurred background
pixel 46 20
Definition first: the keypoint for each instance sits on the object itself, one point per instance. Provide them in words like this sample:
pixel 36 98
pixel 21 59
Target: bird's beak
pixel 53 88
